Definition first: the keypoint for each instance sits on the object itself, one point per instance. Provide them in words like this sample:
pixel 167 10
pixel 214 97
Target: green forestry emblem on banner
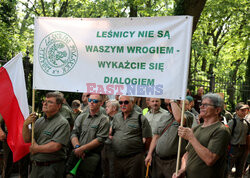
pixel 57 54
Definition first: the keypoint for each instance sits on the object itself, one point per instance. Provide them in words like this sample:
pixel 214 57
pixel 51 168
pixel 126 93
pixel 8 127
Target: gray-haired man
pixel 131 133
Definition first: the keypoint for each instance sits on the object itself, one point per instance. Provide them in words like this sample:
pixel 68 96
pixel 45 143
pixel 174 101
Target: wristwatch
pixel 77 146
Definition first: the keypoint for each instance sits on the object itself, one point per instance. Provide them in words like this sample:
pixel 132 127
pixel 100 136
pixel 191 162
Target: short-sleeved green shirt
pixel 128 134
pixel 170 136
pixel 240 131
pixel 215 138
pixel 56 129
pixel 88 128
pixel 154 118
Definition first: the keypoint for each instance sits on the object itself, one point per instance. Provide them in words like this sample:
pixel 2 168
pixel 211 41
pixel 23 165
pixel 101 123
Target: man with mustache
pixel 155 113
pixel 162 154
pixel 131 134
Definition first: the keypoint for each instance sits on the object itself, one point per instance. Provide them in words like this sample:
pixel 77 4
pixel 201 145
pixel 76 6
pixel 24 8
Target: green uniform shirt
pixel 66 112
pixel 88 128
pixel 170 136
pixel 56 129
pixel 154 118
pixel 128 134
pixel 216 138
pixel 240 131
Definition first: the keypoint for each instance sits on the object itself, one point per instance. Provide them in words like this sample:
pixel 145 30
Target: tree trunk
pixel 231 87
pixel 246 95
pixel 190 7
pixel 133 9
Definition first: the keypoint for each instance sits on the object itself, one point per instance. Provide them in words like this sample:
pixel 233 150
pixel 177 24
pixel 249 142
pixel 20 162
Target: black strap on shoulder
pixel 139 120
pixel 234 125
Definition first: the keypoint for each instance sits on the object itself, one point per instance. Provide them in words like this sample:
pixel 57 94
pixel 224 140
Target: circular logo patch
pixel 57 54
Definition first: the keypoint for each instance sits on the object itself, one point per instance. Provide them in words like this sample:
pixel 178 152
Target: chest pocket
pixel 93 129
pixel 133 129
pixel 89 128
pixel 45 137
pixel 47 134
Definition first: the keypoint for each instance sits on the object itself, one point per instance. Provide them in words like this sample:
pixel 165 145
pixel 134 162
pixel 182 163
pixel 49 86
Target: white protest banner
pixel 117 56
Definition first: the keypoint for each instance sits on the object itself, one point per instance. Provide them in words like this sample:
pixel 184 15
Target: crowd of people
pixel 116 138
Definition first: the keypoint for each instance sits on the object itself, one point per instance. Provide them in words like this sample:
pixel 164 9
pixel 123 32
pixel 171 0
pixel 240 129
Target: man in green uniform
pixel 101 109
pixel 112 107
pixel 51 135
pixel 88 135
pixel 85 97
pixel 239 140
pixel 7 164
pixel 208 142
pixel 76 107
pixel 131 134
pixel 165 143
pixel 155 113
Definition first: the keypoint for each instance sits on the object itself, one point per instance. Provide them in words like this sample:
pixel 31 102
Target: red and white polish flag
pixel 14 105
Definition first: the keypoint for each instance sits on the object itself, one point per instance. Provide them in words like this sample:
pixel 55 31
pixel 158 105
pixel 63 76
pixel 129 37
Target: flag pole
pixel 33 110
pixel 179 145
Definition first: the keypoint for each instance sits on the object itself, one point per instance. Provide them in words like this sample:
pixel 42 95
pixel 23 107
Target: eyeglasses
pixel 123 102
pixel 47 102
pixel 94 100
pixel 206 105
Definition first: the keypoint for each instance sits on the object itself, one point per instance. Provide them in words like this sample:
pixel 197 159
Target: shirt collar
pixel 51 117
pixel 159 111
pixel 130 114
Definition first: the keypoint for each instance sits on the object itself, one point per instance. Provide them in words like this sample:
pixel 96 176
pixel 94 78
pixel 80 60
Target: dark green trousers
pixel 55 170
pixel 90 166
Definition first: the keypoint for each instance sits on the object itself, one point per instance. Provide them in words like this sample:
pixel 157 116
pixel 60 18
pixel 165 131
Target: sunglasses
pixel 123 102
pixel 94 100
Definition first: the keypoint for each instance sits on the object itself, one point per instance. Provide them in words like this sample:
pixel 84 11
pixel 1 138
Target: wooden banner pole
pixel 179 145
pixel 33 110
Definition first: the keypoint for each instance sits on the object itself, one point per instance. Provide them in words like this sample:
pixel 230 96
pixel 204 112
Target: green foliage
pixel 9 43
pixel 220 43
pixel 179 7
